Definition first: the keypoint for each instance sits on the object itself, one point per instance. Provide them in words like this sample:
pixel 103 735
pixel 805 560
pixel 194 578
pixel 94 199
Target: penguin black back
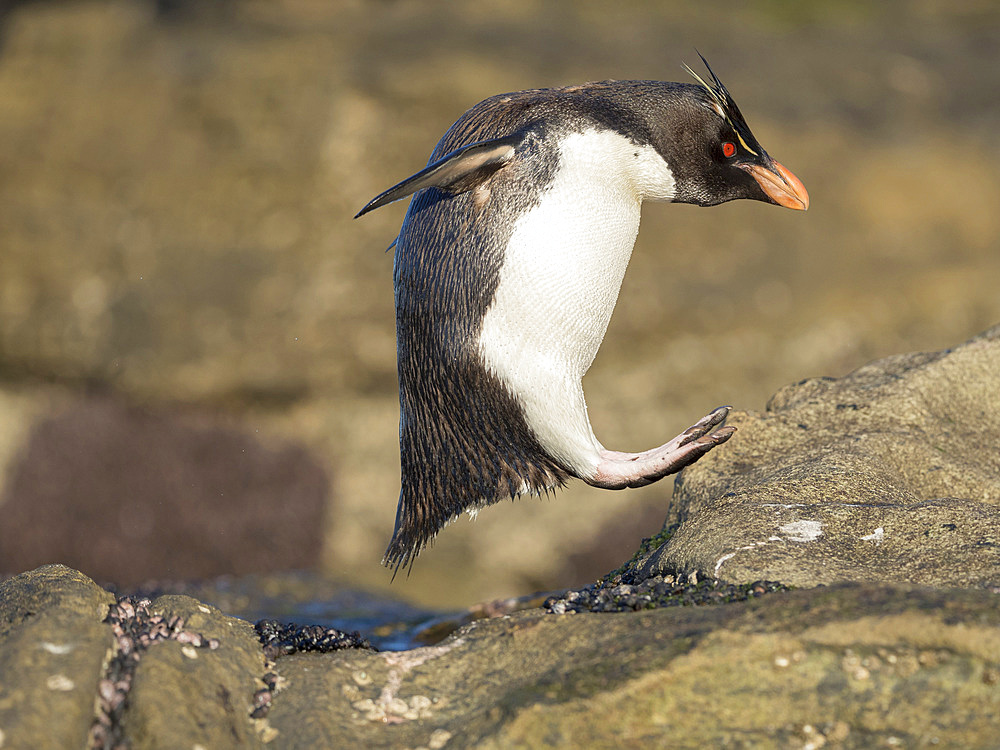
pixel 463 439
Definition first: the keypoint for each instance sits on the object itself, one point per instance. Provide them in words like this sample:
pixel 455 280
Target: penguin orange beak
pixel 780 185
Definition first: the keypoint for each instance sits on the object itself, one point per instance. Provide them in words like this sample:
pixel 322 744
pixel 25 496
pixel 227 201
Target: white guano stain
pixel 730 555
pixel 876 536
pixel 389 707
pixel 718 563
pixel 59 649
pixel 802 531
pixel 795 531
pixel 60 682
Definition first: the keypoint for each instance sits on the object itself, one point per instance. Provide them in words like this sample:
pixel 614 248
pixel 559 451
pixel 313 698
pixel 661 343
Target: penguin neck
pixel 595 162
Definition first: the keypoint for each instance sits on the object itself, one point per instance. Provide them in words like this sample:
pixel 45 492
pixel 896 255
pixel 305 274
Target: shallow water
pixel 304 598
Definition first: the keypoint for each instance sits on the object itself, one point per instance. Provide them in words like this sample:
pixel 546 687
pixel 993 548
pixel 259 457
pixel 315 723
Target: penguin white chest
pixel 561 274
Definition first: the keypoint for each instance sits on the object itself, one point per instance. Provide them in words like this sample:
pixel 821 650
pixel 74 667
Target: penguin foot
pixel 620 470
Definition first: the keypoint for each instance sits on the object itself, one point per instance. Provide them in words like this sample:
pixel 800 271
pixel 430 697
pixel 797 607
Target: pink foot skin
pixel 620 470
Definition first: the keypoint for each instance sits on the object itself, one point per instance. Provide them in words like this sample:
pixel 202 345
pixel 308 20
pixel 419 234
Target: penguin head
pixel 697 129
pixel 715 157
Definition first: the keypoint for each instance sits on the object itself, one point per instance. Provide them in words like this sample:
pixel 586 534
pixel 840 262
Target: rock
pixel 155 493
pixel 186 696
pixel 178 180
pixel 781 671
pixel 851 665
pixel 890 474
pixel 189 676
pixel 52 645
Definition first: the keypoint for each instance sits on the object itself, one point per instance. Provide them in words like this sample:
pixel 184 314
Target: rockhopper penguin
pixel 507 269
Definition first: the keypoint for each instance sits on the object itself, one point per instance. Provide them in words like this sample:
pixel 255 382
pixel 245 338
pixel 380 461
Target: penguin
pixel 507 269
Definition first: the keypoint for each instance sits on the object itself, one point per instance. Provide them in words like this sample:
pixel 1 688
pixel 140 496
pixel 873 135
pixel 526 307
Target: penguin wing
pixel 461 170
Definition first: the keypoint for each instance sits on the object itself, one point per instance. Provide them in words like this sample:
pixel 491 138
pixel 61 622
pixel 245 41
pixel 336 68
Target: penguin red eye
pixel 728 149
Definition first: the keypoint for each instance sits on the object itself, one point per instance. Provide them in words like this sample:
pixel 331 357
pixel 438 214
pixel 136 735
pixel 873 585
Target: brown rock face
pixel 129 494
pixel 891 473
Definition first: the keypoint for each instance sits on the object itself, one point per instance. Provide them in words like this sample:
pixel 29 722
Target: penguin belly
pixel 561 274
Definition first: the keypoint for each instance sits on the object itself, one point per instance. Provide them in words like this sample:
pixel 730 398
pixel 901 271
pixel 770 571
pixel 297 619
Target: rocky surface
pixel 891 474
pixel 855 666
pixel 80 669
pixel 53 646
pixel 178 180
pixel 876 482
pixel 851 666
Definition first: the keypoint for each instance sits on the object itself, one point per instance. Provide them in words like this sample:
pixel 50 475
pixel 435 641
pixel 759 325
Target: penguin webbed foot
pixel 619 470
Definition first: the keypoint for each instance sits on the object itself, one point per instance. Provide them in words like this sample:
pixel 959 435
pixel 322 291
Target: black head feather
pixel 722 101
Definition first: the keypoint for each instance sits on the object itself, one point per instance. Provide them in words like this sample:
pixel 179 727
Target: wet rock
pixel 307 597
pixel 891 473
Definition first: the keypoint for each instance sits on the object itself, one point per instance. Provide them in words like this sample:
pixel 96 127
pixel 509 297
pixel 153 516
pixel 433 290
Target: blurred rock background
pixel 197 361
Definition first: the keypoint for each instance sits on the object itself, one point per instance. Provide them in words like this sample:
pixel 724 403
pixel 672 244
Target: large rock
pixel 185 673
pixel 848 666
pixel 889 474
pixel 129 493
pixel 52 646
pixel 862 666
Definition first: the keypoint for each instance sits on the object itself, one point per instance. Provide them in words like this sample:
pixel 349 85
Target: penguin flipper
pixel 461 170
